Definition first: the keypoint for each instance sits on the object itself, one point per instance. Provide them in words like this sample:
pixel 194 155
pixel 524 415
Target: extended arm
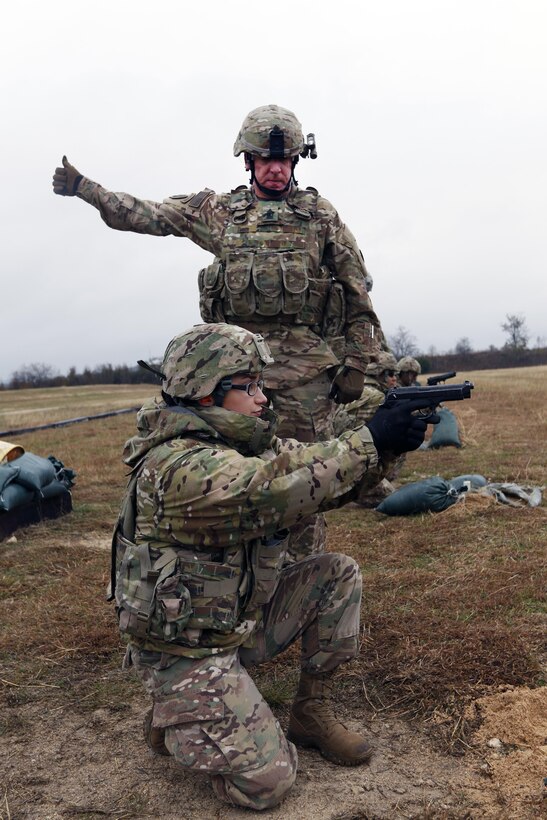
pixel 203 495
pixel 208 495
pixel 125 212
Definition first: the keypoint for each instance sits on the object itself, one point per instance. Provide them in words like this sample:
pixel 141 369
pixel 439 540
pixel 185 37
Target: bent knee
pixel 261 788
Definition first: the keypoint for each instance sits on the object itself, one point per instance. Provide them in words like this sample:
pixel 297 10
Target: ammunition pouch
pixel 211 284
pixel 273 285
pixel 161 593
pixel 151 598
pixel 271 264
pixel 266 559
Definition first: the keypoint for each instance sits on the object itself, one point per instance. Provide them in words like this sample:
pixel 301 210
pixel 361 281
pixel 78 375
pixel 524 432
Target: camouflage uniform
pixel 282 269
pixel 349 416
pixel 215 719
pixel 214 492
pixel 287 268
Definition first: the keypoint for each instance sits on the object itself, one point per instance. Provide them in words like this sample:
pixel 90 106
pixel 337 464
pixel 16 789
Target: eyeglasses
pixel 251 388
pixel 390 373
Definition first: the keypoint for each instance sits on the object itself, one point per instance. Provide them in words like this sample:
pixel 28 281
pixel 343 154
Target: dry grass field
pixel 453 643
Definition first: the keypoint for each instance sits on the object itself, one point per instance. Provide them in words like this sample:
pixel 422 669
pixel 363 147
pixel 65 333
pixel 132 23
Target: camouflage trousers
pixel 216 721
pixel 306 414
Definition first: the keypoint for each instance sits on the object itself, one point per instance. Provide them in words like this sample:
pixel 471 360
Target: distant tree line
pixel 39 374
pixel 481 360
pixel 514 353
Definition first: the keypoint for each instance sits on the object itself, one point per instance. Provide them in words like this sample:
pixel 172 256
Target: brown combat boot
pixel 155 738
pixel 313 723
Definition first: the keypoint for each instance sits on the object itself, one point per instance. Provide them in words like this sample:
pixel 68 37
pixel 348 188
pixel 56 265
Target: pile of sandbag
pixel 31 487
pixel 435 494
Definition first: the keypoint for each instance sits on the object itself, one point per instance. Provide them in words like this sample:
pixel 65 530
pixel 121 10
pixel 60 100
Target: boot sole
pixel 310 743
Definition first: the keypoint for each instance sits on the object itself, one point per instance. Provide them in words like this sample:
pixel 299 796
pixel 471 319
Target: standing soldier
pixel 286 266
pixel 198 575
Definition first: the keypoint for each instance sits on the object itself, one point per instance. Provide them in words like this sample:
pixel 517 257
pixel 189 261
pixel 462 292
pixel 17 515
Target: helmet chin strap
pixel 272 193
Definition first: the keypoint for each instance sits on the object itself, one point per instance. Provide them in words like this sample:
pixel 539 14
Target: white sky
pixel 430 118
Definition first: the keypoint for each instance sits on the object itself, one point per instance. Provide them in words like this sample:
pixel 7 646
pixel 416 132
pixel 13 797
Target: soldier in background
pixel 409 370
pixel 286 267
pixel 198 574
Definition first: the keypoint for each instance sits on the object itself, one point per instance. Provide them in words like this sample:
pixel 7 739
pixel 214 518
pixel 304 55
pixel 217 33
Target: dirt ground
pixel 60 761
pixel 68 752
pixel 62 764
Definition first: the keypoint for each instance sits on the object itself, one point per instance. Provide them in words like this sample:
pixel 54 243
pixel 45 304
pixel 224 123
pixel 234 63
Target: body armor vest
pixel 170 593
pixel 271 265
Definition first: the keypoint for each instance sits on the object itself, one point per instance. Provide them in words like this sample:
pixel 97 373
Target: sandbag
pixel 35 472
pixel 8 473
pixel 432 494
pixel 15 495
pixel 16 486
pixel 54 488
pixel 473 481
pixel 445 433
pixel 31 478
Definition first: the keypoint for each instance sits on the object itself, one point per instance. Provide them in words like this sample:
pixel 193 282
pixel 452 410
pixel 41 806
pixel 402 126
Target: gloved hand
pixel 66 179
pixel 395 429
pixel 347 385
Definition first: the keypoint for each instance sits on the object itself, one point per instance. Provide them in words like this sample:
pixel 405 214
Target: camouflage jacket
pixel 278 263
pixel 216 489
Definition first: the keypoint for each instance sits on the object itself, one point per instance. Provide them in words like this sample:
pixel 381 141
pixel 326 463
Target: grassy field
pixel 32 408
pixel 454 603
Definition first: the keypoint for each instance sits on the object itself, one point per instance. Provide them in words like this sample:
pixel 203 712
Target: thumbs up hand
pixel 66 179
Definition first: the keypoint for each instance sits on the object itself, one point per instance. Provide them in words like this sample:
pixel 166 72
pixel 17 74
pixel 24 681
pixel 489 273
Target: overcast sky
pixel 431 126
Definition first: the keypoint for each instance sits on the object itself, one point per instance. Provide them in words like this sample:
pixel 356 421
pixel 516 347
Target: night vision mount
pixel 310 148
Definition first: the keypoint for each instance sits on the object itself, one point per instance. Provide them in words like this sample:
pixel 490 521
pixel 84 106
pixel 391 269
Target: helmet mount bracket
pixel 277 143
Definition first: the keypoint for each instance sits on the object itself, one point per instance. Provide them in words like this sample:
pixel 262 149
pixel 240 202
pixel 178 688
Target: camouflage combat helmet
pixel 272 132
pixel 385 361
pixel 408 363
pixel 197 361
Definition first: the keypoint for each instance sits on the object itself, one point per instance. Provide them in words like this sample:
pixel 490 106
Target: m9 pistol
pixel 442 377
pixel 432 394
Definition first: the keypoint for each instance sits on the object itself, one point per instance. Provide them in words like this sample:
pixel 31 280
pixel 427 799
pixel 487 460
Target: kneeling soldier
pixel 201 589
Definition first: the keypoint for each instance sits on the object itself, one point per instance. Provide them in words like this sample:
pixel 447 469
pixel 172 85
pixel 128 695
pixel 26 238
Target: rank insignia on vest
pixel 268 217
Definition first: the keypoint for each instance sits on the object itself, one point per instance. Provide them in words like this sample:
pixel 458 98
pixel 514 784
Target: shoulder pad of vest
pixel 304 202
pixel 304 195
pixel 311 188
pixel 241 198
pixel 194 200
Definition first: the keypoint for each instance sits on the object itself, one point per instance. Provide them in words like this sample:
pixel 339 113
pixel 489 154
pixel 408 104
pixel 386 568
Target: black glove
pixel 347 385
pixel 66 179
pixel 395 429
